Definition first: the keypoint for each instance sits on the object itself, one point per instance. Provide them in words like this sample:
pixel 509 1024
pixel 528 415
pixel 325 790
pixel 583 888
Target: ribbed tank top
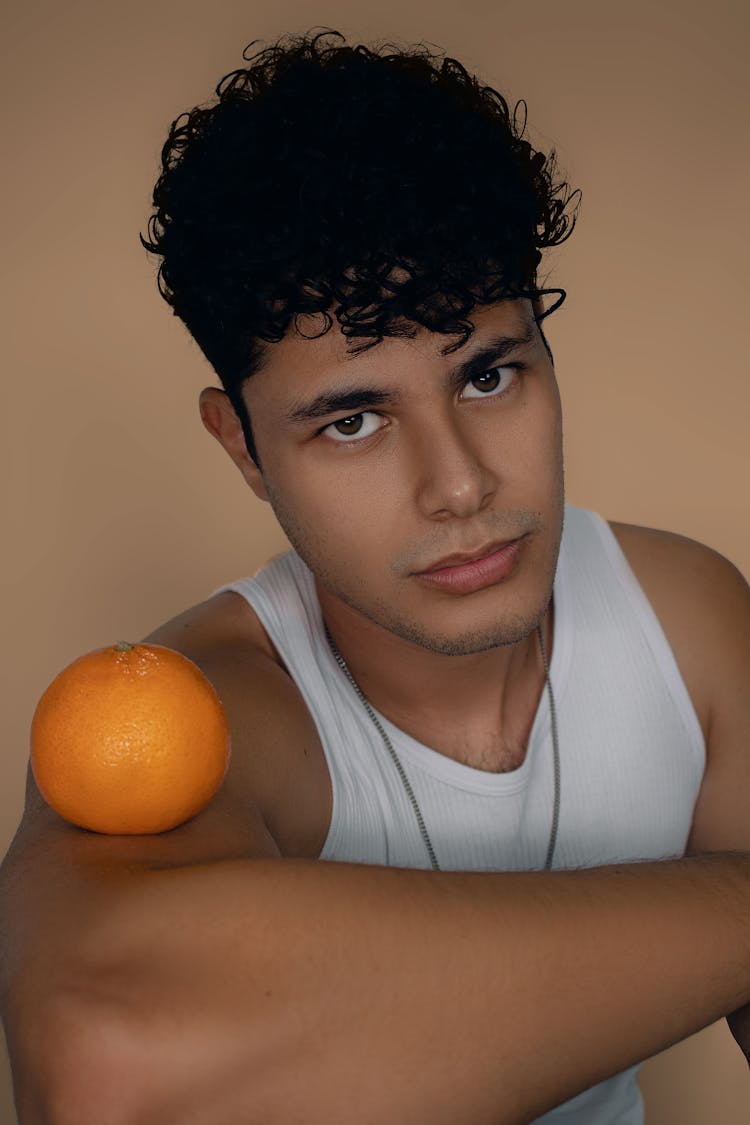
pixel 631 749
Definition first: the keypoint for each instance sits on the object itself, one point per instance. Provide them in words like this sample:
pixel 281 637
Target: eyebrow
pixel 355 397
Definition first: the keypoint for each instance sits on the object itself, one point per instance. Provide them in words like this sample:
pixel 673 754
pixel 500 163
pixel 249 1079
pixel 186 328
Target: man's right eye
pixel 351 429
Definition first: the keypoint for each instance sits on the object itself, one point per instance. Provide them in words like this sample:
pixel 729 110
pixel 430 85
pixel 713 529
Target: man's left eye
pixel 497 379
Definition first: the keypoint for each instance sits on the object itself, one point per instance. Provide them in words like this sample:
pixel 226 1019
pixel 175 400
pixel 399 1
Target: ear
pixel 537 308
pixel 219 417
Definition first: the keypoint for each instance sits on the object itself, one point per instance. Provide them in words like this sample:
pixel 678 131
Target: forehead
pixel 301 359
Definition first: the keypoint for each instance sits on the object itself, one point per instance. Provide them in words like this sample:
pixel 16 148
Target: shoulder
pixel 223 619
pixel 277 758
pixel 275 797
pixel 682 573
pixel 703 604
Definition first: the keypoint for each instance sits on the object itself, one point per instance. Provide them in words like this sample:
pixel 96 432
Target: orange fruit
pixel 129 739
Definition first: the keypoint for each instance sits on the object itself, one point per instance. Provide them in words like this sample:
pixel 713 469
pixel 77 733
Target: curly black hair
pixel 389 188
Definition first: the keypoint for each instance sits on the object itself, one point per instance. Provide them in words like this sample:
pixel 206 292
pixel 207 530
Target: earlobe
pixel 220 419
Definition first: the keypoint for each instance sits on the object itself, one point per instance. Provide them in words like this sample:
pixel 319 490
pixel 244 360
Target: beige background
pixel 119 510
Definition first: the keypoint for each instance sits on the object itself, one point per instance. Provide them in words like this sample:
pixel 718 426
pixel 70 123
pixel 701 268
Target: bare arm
pixel 703 602
pixel 268 990
pixel 198 977
pixel 720 615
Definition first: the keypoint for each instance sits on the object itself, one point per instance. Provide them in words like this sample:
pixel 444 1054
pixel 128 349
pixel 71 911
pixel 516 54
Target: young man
pixel 452 671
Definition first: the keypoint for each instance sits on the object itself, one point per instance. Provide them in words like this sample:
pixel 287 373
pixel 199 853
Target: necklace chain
pixel 402 772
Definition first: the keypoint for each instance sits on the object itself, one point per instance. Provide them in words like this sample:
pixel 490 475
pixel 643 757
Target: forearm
pixel 278 991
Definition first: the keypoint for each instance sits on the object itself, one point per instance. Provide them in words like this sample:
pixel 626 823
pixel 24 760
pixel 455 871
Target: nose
pixel 452 478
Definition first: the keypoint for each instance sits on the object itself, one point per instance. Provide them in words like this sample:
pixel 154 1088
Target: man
pixel 452 671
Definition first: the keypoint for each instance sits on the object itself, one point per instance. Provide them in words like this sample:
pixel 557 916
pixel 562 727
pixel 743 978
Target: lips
pixel 469 556
pixel 468 577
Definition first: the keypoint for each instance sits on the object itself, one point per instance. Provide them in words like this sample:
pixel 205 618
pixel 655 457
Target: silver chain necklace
pixel 405 780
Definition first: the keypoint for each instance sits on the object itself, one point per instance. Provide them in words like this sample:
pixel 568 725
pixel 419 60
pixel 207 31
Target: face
pixel 379 466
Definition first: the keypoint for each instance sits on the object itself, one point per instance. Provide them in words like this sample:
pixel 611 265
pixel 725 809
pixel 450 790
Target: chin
pixel 467 643
pixel 459 630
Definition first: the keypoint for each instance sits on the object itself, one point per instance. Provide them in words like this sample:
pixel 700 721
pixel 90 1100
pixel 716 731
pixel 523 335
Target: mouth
pixel 468 573
pixel 461 558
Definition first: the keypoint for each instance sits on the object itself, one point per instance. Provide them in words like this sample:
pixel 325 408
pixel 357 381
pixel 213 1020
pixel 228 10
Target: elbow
pixel 74 1066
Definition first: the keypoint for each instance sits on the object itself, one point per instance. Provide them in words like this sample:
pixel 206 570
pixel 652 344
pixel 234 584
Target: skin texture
pixel 382 494
pixel 297 1012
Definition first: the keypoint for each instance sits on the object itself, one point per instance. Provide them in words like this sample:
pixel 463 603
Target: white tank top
pixel 631 749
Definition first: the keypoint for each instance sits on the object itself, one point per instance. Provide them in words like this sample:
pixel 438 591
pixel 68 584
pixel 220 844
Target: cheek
pixel 358 489
pixel 334 513
pixel 526 455
pixel 547 433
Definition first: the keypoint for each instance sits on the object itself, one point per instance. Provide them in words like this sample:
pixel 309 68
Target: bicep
pixel 721 820
pixel 277 757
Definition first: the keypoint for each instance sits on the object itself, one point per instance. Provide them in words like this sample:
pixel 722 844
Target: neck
pixel 477 708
